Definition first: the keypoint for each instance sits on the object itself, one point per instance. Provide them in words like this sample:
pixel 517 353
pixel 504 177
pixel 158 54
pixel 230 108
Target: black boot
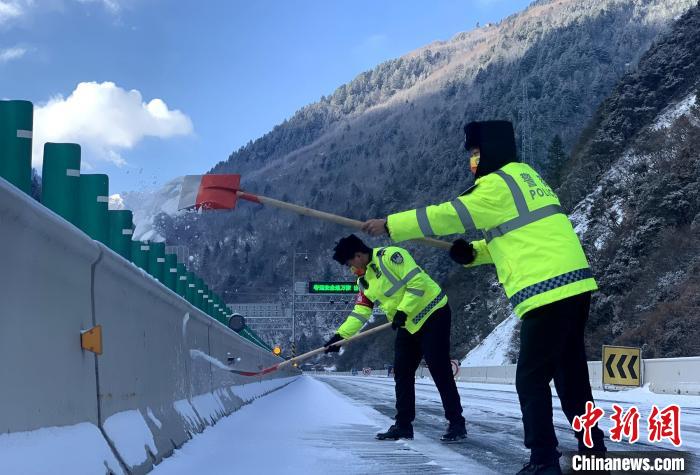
pixel 551 468
pixel 396 432
pixel 455 433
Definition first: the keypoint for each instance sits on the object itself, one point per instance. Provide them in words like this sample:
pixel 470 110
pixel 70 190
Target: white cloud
pixel 111 5
pixel 105 120
pixel 10 10
pixel 9 54
pixel 13 9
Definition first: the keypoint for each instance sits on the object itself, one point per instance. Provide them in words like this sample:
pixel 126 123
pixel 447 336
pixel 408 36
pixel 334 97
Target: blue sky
pixel 209 75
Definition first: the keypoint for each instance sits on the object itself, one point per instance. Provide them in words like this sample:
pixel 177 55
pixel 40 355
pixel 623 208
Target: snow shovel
pixel 223 191
pixel 311 353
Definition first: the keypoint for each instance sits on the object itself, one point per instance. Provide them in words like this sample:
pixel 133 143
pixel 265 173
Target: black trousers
pixel 552 347
pixel 433 342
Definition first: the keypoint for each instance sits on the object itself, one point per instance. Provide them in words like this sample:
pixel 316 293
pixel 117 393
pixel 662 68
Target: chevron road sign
pixel 622 366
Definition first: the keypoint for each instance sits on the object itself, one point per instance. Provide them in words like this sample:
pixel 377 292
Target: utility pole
pixel 526 127
pixel 294 290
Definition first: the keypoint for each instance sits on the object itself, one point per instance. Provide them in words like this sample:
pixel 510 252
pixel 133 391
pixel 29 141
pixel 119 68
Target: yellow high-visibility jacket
pixel 394 282
pixel 527 236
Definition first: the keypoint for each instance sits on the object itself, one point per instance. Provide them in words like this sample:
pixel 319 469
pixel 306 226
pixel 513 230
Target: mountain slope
pixel 390 140
pixel 636 179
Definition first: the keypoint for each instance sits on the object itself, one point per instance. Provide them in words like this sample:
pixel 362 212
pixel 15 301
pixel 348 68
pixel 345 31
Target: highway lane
pixel 494 420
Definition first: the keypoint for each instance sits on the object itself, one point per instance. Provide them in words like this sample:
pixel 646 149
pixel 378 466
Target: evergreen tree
pixel 554 162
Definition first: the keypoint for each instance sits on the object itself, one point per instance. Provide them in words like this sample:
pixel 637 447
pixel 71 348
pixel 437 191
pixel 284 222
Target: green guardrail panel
pixel 92 206
pixel 181 285
pixel 156 260
pixel 16 126
pixel 60 179
pixel 205 300
pixel 121 228
pixel 191 295
pixel 170 272
pixel 200 293
pixel 139 253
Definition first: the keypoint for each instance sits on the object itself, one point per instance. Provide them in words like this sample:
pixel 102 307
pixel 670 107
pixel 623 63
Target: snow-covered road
pixel 327 425
pixel 494 419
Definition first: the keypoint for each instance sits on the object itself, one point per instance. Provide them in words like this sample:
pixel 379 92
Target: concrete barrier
pixel 161 377
pixel 663 375
pixel 145 364
pixel 45 301
pixel 672 375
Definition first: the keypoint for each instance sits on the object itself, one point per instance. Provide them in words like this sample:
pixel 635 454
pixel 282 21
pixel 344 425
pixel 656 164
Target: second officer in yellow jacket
pixel 418 310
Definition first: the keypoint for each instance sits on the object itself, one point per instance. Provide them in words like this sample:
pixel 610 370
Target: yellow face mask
pixel 474 162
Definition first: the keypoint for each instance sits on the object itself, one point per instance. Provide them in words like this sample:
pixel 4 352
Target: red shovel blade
pixel 209 191
pixel 255 373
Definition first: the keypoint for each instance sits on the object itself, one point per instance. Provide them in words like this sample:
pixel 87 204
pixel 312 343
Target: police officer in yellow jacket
pixel 418 309
pixel 542 267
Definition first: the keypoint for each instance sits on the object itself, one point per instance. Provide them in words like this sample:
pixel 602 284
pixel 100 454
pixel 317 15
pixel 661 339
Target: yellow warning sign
pixel 622 365
pixel 91 340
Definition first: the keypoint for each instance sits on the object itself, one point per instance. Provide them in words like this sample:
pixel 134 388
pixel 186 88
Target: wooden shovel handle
pixel 337 343
pixel 333 218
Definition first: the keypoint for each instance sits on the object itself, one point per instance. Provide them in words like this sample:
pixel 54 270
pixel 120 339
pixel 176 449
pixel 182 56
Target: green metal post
pixel 156 260
pixel 181 285
pixel 216 310
pixel 60 179
pixel 139 254
pixel 200 292
pixel 191 288
pixel 205 300
pixel 16 126
pixel 170 272
pixel 92 206
pixel 121 228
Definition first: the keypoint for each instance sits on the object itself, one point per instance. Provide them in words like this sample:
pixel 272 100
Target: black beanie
pixel 346 248
pixel 496 142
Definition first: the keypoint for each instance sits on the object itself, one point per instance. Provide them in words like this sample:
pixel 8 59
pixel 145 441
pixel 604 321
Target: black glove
pixel 335 348
pixel 399 320
pixel 462 252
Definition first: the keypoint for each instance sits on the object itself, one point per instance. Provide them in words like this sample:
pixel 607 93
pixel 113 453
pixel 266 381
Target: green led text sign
pixel 333 288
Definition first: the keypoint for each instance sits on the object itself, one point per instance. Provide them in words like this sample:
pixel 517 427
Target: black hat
pixel 496 142
pixel 346 248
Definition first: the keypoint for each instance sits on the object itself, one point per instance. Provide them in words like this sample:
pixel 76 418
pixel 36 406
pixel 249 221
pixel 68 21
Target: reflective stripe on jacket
pixel 538 257
pixel 394 281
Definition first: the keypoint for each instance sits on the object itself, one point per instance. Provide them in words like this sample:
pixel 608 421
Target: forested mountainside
pixel 634 181
pixel 390 140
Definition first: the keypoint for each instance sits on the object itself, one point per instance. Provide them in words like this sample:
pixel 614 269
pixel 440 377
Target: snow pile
pixel 186 411
pixel 209 407
pixel 270 436
pixel 250 391
pixel 153 418
pixel 493 350
pixel 79 450
pixel 131 436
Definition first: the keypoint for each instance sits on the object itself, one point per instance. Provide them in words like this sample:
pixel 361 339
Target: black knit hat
pixel 346 248
pixel 496 142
